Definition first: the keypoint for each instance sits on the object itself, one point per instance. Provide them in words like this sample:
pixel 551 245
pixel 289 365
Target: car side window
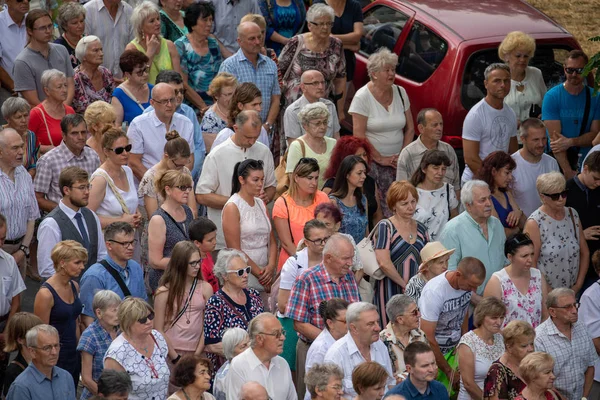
pixel 382 27
pixel 421 54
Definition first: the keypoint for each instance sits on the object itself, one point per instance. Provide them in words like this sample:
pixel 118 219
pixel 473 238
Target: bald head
pixel 6 135
pixel 310 75
pixel 253 391
pixel 164 102
pixel 312 84
pixel 161 90
pixel 250 39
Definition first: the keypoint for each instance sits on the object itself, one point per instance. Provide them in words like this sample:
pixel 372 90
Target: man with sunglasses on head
pixel 116 272
pixel 572 115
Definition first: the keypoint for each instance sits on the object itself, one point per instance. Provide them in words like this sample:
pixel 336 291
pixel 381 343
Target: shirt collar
pixel 68 211
pixel 18 171
pixel 388 335
pixel 552 330
pixel 39 376
pixel 254 362
pixel 242 57
pixel 580 184
pixel 422 147
pixel 116 266
pixel 9 21
pixel 68 154
pixel 414 393
pixel 325 275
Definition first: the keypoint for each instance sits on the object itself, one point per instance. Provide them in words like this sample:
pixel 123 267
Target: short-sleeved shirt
pixel 291 123
pixel 46 128
pixel 435 391
pixel 491 128
pixel 85 91
pixel 502 382
pixel 11 283
pixel 17 202
pixel 295 154
pixel 31 64
pixel 589 314
pixel 95 340
pixel 524 178
pixel 14 40
pixel 32 384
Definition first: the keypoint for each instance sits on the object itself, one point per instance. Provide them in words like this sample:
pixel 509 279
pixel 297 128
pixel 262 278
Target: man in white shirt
pixel 261 361
pixel 147 131
pixel 531 162
pixel 490 125
pixel 214 186
pixel 71 220
pixel 253 391
pixel 359 345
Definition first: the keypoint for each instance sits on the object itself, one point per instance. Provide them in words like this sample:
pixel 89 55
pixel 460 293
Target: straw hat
pixel 431 251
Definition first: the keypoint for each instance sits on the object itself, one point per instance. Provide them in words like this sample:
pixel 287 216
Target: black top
pixel 13 370
pixel 74 61
pixel 369 192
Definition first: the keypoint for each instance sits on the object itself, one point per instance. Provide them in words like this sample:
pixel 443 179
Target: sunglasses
pixel 577 71
pixel 521 238
pixel 20 1
pixel 143 71
pixel 120 150
pixel 555 196
pixel 179 91
pixel 240 272
pixel 146 318
pixel 184 188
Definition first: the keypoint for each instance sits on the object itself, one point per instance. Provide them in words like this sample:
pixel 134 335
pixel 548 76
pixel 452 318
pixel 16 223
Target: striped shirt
pixel 114 34
pixel 17 202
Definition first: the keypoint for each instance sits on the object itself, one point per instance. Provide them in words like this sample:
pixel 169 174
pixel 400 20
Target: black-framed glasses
pixel 577 71
pixel 147 318
pixel 48 348
pixel 193 264
pixel 277 334
pixel 315 83
pixel 121 149
pixel 555 196
pixel 177 165
pixel 144 70
pixel 124 244
pixel 20 1
pixel 320 241
pixel 164 102
pixel 568 306
pixel 240 272
pixel 321 24
pixel 184 188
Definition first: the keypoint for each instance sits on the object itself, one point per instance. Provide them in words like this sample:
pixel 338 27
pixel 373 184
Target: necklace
pixel 219 109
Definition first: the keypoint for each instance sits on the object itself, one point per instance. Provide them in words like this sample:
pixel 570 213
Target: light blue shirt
pixel 264 76
pixel 465 236
pixel 33 385
pixel 98 278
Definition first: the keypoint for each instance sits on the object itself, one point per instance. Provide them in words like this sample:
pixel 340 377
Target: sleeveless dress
pixel 175 233
pixel 162 61
pixel 354 223
pixel 255 231
pixel 522 307
pixel 484 354
pixel 131 108
pixel 63 316
pixel 501 211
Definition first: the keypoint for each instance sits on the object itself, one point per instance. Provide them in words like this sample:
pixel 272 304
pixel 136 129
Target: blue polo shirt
pixel 435 391
pixel 98 278
pixel 33 385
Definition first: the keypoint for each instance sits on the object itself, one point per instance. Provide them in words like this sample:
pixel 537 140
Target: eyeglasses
pixel 195 263
pixel 568 306
pixel 240 272
pixel 343 321
pixel 277 334
pixel 48 348
pixel 555 196
pixel 577 71
pixel 44 28
pixel 124 244
pixel 177 165
pixel 322 124
pixel 320 242
pixel 337 388
pixel 143 71
pixel 315 83
pixel 83 188
pixel 185 188
pixel 20 1
pixel 172 100
pixel 179 91
pixel 147 318
pixel 414 312
pixel 120 150
pixel 321 24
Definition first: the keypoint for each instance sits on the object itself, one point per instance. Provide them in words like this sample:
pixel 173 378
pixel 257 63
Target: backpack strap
pixel 116 277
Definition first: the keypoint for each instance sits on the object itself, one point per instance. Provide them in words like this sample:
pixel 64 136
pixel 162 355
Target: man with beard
pixel 71 220
pixel 490 125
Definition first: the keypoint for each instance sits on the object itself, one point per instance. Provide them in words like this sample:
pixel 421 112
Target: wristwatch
pixel 24 249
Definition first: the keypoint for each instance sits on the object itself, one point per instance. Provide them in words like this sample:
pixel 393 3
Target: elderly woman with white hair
pixel 381 114
pixel 557 235
pixel 315 50
pixel 324 382
pixel 235 341
pixel 92 81
pixel 96 339
pixel 44 119
pixel 15 110
pixel 71 21
pixel 314 119
pixel 233 305
pixel 162 53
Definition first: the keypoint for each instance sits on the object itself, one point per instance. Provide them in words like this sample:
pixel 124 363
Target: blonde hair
pixel 551 182
pixel 223 79
pixel 257 19
pixel 68 250
pixel 99 112
pixel 378 60
pixel 513 41
pixel 171 178
pixel 130 311
pixel 140 13
pixel 533 364
pixel 516 330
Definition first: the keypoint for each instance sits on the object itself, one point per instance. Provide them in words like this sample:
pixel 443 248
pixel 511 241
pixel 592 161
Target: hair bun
pixel 172 135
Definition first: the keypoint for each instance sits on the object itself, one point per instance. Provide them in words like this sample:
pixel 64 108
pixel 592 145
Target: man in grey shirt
pixel 228 14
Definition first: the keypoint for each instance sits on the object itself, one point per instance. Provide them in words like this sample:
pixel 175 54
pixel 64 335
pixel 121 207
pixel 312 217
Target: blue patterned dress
pixel 354 223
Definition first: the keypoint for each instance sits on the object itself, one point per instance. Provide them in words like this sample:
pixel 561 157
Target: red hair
pixel 346 146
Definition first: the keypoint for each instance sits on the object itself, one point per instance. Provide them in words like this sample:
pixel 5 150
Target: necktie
pixel 84 236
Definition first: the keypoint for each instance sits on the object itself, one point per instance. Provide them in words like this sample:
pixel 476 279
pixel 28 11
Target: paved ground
pixel 29 295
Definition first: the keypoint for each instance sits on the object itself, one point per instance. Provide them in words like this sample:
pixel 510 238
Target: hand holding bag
pixel 367 254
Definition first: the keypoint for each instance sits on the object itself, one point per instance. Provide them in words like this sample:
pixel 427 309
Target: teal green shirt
pixel 465 235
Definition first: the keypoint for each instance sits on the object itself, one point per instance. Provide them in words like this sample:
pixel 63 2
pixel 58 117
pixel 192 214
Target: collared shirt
pixel 49 234
pixel 264 76
pixel 14 40
pixel 410 159
pixel 311 288
pixel 246 367
pixel 291 123
pixel 317 350
pixel 147 135
pixel 114 34
pixel 465 235
pixel 95 340
pixel 11 283
pixel 571 357
pixel 589 314
pixel 34 385
pixel 346 355
pixel 17 202
pixel 396 348
pixel 53 162
pixel 435 391
pixel 96 278
pixel 228 14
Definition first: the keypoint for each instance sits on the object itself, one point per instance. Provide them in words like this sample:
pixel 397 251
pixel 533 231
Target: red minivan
pixel 444 47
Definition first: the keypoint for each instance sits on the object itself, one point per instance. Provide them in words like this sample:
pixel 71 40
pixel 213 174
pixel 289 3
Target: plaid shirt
pixel 571 357
pixel 314 286
pixel 94 340
pixel 54 161
pixel 17 202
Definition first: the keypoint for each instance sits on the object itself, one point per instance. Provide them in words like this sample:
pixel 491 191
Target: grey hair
pixel 104 299
pixel 492 67
pixel 319 10
pixel 256 326
pixel 355 309
pixel 550 182
pixel 140 13
pixel 332 245
pixel 224 260
pixel 246 115
pixel 378 60
pixel 318 377
pixel 49 75
pixel 31 337
pixel 466 193
pixel 231 338
pixel 313 111
pixel 397 305
pixel 13 105
pixel 556 294
pixel 67 12
pixel 528 124
pixel 83 44
pixel 114 382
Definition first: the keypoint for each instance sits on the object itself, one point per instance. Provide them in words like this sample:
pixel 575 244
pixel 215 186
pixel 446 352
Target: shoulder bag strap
pixel 46 124
pixel 573 221
pixel 116 277
pixel 288 218
pixel 298 48
pixel 114 188
pixel 131 96
pixel 188 301
pixel 401 98
pixel 178 224
pixel 18 363
pixel 586 112
pixel 302 145
pixel 448 198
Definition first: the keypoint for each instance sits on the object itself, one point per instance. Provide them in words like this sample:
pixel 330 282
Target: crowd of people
pixel 177 177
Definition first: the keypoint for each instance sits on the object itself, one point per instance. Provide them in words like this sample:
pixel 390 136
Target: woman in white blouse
pixel 381 113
